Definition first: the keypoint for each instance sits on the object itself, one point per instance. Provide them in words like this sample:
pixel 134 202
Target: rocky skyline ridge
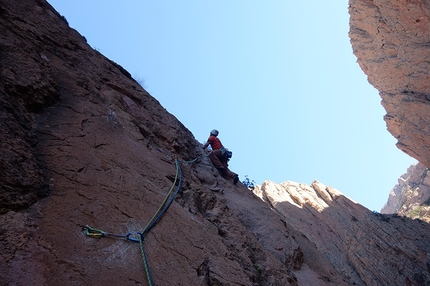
pixel 86 149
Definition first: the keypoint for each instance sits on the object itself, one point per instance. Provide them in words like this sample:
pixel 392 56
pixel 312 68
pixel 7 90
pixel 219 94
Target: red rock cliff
pixel 84 144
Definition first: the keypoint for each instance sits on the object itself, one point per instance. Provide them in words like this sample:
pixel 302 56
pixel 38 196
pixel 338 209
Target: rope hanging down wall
pixel 94 232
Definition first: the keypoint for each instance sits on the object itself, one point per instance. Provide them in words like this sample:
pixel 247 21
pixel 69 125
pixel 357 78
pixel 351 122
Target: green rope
pixel 164 202
pixel 154 219
pixel 145 262
pixel 94 232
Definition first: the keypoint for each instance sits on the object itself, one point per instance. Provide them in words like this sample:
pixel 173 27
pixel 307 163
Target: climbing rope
pixel 94 232
pixel 160 212
pixel 157 216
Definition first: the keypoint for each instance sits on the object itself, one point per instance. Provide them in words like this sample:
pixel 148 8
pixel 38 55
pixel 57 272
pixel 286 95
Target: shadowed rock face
pixel 391 42
pixel 368 248
pixel 84 144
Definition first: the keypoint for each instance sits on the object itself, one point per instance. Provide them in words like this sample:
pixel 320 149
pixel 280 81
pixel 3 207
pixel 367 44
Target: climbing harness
pixel 94 232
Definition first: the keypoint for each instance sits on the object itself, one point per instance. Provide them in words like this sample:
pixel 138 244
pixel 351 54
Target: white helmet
pixel 214 132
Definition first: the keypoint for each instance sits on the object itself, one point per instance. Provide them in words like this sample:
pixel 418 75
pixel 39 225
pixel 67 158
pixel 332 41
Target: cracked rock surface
pixel 83 144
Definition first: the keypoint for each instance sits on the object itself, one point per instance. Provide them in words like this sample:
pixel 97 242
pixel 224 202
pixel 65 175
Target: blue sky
pixel 278 79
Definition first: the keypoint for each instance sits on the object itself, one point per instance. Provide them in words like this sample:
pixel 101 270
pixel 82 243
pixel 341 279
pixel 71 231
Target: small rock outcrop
pixel 391 42
pixel 411 196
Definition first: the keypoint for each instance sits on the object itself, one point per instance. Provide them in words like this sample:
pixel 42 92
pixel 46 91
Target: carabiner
pixel 127 236
pixel 93 232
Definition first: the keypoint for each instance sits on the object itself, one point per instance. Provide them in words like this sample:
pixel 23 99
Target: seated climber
pixel 218 157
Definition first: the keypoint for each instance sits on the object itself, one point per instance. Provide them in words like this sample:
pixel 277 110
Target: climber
pixel 218 157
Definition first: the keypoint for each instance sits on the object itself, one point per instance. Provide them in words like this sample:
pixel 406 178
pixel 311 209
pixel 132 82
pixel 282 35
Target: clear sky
pixel 277 78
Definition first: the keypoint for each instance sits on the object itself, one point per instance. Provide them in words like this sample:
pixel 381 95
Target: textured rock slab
pixel 84 144
pixel 391 42
pixel 366 248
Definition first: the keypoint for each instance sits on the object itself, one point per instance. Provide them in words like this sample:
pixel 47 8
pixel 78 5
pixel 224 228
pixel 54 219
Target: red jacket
pixel 215 142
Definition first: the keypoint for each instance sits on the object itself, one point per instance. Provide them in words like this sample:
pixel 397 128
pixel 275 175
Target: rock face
pixel 391 41
pixel 368 248
pixel 411 196
pixel 84 145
